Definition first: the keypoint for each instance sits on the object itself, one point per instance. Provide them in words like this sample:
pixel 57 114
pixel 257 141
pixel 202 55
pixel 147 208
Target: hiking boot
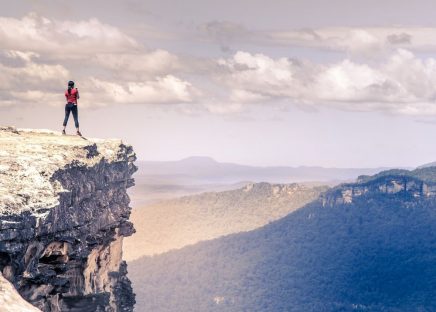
pixel 63 132
pixel 78 133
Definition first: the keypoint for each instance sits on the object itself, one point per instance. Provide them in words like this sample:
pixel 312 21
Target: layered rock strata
pixel 64 211
pixel 410 183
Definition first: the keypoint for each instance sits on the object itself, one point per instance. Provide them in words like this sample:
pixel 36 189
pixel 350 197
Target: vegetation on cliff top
pixel 425 174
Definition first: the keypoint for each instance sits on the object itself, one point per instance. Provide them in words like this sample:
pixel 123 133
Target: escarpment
pixel 419 184
pixel 364 246
pixel 64 211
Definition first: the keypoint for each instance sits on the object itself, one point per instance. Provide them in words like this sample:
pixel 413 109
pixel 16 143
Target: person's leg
pixel 67 115
pixel 76 118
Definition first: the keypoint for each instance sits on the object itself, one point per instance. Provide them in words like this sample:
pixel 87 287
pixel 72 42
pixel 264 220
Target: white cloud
pixel 162 90
pixel 260 74
pixel 362 41
pixel 69 38
pixel 140 64
pixel 401 84
pixel 26 56
pixel 38 96
pixel 28 81
pixel 83 44
pixel 358 40
pixel 39 55
pixel 29 74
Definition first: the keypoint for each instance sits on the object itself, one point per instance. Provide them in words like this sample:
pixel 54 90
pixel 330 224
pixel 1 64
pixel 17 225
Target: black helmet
pixel 71 84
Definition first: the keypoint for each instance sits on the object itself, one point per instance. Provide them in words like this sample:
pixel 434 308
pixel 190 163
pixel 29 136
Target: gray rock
pixel 64 211
pixel 405 182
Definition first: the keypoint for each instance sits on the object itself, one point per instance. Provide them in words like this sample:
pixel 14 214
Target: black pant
pixel 71 107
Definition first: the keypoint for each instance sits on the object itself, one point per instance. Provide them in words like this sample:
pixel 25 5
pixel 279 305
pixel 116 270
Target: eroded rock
pixel 64 211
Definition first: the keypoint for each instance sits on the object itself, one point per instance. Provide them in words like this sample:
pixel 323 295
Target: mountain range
pixel 363 246
pixel 208 170
pixel 157 180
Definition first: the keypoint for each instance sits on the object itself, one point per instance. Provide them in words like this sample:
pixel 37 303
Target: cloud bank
pixel 39 55
pixel 364 41
pixel 378 69
pixel 402 84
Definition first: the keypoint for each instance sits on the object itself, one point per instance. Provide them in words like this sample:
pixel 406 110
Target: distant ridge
pixel 198 160
pixel 363 246
pixel 208 170
pixel 432 164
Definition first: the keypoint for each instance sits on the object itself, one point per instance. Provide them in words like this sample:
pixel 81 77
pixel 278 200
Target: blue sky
pixel 337 83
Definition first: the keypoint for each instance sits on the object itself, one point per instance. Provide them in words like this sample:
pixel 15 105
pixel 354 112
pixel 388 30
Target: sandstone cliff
pixel 64 211
pixel 419 183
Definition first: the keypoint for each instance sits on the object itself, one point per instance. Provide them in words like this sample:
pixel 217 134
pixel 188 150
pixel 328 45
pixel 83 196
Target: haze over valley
pixel 179 203
pixel 365 246
pixel 157 180
pixel 175 223
pixel 221 156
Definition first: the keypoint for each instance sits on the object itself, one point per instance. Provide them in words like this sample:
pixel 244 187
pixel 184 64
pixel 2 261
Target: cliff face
pixel 64 212
pixel 408 184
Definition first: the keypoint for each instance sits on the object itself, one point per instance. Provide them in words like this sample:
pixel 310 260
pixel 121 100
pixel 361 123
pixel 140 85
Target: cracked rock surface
pixel 64 211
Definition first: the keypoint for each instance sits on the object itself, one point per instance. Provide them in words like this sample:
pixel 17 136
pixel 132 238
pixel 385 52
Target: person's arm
pixel 78 96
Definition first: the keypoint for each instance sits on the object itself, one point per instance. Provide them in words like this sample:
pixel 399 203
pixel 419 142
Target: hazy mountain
pixel 156 180
pixel 179 222
pixel 208 170
pixel 367 246
pixel 149 190
pixel 432 164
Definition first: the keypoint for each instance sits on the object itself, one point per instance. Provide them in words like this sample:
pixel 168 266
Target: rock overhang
pixel 29 159
pixel 64 211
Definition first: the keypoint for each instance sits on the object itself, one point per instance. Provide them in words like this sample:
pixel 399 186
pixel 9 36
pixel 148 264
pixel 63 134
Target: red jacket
pixel 72 98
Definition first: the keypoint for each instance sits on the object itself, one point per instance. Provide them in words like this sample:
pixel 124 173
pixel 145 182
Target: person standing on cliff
pixel 72 95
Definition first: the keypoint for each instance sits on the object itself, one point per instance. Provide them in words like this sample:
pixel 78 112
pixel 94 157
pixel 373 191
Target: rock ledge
pixel 64 212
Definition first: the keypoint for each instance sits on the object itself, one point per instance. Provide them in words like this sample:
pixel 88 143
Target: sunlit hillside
pixel 187 220
pixel 367 246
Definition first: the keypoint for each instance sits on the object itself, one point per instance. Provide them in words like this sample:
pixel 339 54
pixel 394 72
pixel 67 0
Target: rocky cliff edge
pixel 64 211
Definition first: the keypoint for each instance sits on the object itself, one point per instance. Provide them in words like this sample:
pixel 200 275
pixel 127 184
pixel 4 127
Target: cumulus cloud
pixel 25 80
pixel 43 35
pixel 39 55
pixel 356 40
pixel 401 84
pixel 90 42
pixel 140 64
pixel 265 76
pixel 359 40
pixel 162 90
